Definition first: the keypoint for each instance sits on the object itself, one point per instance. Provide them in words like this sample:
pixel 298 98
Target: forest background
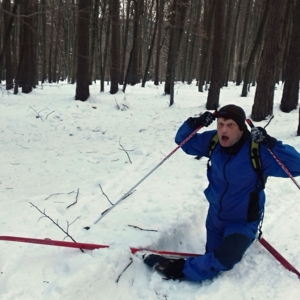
pixel 128 42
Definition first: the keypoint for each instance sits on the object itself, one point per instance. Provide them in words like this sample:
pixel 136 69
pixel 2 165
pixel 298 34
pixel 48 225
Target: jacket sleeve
pixel 198 144
pixel 286 154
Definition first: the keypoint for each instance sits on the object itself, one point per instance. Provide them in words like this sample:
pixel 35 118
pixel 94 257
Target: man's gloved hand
pixel 204 120
pixel 171 268
pixel 259 135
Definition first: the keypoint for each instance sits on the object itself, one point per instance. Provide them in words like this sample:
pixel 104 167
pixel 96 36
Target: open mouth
pixel 225 138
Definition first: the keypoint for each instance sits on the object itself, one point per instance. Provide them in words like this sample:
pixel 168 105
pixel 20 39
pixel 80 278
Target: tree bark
pixel 115 46
pixel 94 35
pixel 7 45
pixel 216 81
pixel 255 49
pixel 263 100
pixel 290 95
pixel 159 16
pixel 82 87
pixel 151 46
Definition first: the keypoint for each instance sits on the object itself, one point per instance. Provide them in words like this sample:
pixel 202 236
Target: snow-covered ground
pixel 55 150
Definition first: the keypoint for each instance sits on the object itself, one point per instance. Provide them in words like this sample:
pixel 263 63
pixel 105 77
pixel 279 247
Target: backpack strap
pixel 211 146
pixel 256 163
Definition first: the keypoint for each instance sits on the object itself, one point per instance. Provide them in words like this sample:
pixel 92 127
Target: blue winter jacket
pixel 232 179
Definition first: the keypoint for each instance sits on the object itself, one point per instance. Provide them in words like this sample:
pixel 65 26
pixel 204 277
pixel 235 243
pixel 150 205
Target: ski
pixel 87 246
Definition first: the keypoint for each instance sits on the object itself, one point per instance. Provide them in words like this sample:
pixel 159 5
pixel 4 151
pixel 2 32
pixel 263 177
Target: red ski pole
pixel 279 257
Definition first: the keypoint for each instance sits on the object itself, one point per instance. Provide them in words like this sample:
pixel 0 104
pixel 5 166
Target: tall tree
pixel 216 80
pixel 151 46
pixel 82 87
pixel 132 75
pixel 256 46
pixel 26 75
pixel 7 44
pixel 57 42
pixel 94 36
pixel 115 46
pixel 44 41
pixel 264 94
pixel 244 40
pixel 206 43
pixel 177 20
pixel 290 95
pixel 159 19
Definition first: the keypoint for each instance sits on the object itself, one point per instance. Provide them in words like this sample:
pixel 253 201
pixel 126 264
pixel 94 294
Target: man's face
pixel 228 132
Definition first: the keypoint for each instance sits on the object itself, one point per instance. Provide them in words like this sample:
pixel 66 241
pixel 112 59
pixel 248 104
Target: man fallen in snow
pixel 235 192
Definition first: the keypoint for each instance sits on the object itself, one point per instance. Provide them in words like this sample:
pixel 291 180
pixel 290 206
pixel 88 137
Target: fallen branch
pixel 124 150
pixel 56 223
pixel 75 200
pixel 131 261
pixel 142 228
pixel 49 114
pixel 59 194
pixel 105 195
pixel 38 113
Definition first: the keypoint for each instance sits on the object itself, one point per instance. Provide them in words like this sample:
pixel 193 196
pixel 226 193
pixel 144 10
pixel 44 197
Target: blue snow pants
pixel 225 246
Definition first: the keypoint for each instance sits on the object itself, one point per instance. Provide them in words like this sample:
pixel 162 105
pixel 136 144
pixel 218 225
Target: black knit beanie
pixel 235 113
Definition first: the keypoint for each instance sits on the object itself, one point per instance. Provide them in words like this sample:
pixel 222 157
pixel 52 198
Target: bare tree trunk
pixel 94 35
pixel 82 87
pixel 7 33
pixel 27 63
pixel 44 41
pixel 216 81
pixel 255 49
pixel 191 65
pixel 151 46
pixel 125 41
pixel 239 76
pixel 115 46
pixel 50 78
pixel 290 95
pixel 104 61
pixel 208 24
pixel 55 75
pixel 7 45
pixel 263 100
pixel 177 21
pixel 159 17
pixel 132 76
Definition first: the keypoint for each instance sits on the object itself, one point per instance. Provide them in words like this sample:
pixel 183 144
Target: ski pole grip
pixel 249 122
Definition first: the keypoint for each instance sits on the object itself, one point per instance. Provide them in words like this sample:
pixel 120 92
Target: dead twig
pixel 125 150
pixel 133 226
pixel 56 223
pixel 131 261
pixel 59 194
pixel 75 200
pixel 105 195
pixel 38 114
pixel 49 114
pixel 117 105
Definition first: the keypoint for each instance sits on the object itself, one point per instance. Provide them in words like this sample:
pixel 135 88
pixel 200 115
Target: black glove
pixel 204 120
pixel 259 135
pixel 171 268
